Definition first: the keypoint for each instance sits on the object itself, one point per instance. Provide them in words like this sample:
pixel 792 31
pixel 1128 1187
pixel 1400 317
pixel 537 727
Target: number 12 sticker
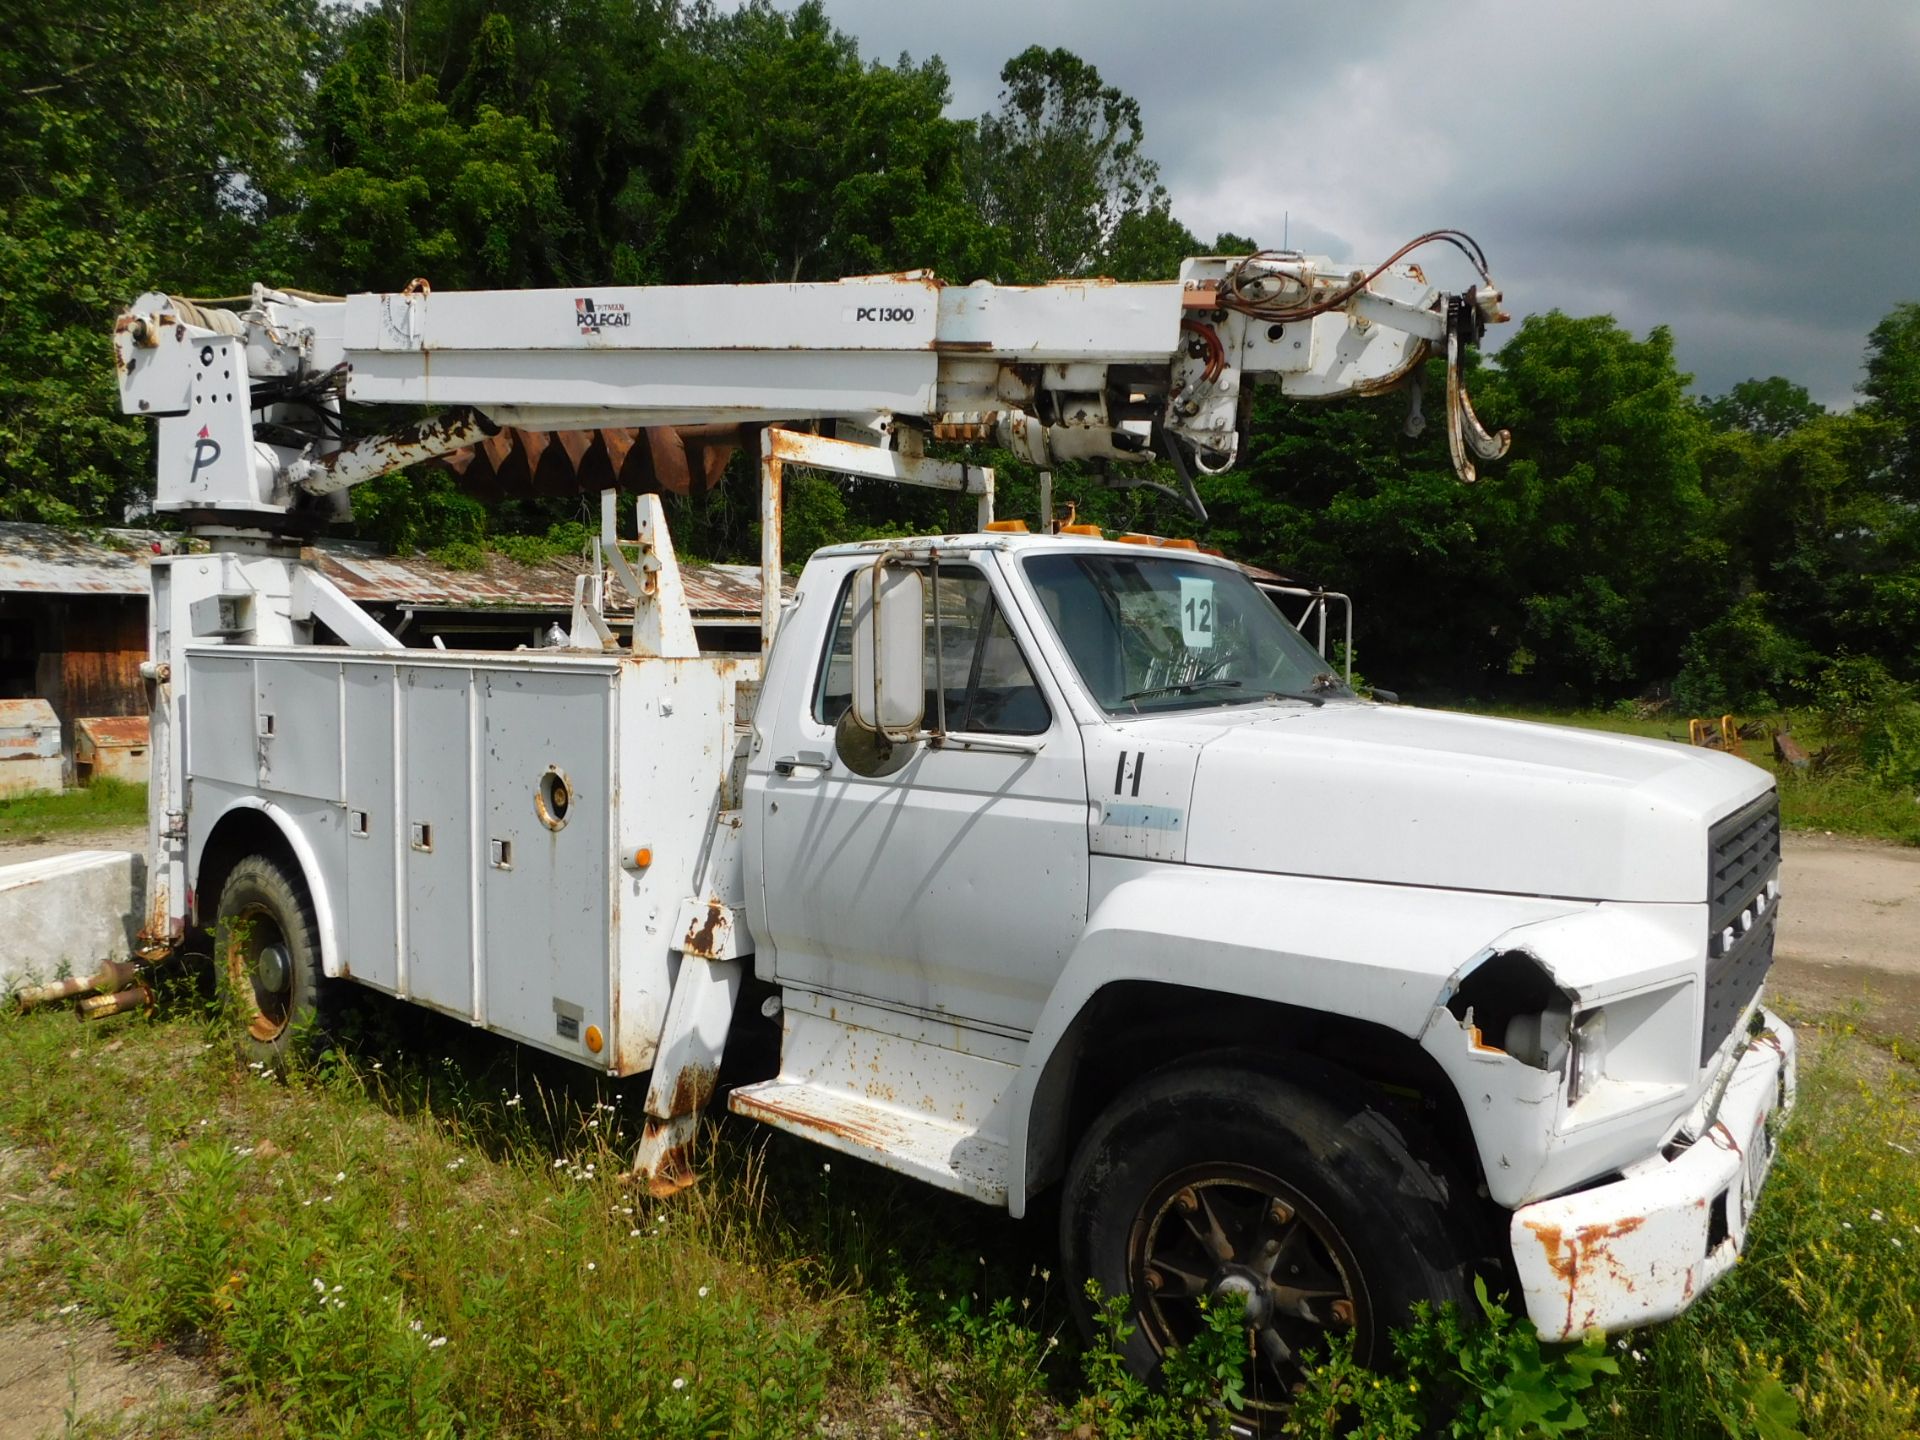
pixel 1196 612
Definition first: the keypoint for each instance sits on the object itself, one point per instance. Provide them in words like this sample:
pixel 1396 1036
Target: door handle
pixel 805 760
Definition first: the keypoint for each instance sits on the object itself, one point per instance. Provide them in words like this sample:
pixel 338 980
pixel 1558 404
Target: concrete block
pixel 64 914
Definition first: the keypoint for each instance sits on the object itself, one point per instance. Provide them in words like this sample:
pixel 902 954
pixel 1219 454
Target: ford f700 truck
pixel 1063 862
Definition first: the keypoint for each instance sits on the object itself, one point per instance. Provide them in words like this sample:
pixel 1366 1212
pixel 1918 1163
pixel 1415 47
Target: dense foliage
pixel 1734 549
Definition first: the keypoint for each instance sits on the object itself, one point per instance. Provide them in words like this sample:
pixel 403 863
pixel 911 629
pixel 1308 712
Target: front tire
pixel 267 968
pixel 1210 1181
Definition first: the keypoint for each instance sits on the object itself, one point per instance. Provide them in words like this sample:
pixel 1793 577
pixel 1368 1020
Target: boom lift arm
pixel 250 402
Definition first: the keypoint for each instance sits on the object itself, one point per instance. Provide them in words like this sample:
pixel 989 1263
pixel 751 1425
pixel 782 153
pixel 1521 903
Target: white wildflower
pixel 633 1234
pixel 826 1167
pixel 703 1292
pixel 679 1382
pixel 436 1342
pixel 1876 1216
pixel 416 1327
pixel 340 1177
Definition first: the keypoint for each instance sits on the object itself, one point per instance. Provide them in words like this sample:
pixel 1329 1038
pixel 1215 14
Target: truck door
pixel 956 885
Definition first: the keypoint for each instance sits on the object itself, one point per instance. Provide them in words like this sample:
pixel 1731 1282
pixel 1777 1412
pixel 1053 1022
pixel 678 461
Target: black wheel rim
pixel 260 972
pixel 1217 1230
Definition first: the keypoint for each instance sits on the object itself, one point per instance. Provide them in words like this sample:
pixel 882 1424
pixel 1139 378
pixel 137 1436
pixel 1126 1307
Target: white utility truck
pixel 1061 861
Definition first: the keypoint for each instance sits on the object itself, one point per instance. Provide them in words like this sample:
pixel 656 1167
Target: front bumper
pixel 1643 1247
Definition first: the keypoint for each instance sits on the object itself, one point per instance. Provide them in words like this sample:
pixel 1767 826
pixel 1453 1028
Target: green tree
pixel 803 162
pixel 400 187
pixel 1600 516
pixel 140 144
pixel 1892 389
pixel 1060 167
pixel 1774 408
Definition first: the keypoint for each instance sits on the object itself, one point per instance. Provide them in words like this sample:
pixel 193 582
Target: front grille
pixel 1743 857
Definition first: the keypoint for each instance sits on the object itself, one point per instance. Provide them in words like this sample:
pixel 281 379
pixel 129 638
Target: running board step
pixel 840 1062
pixel 916 1145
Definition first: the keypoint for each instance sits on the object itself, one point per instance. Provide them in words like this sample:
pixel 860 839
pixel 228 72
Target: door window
pixel 972 657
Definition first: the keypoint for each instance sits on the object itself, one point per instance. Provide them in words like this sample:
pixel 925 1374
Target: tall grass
pixel 436 1237
pixel 96 806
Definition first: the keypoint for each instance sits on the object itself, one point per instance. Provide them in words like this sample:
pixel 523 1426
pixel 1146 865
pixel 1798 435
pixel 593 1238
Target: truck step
pixel 943 1154
pixel 920 1096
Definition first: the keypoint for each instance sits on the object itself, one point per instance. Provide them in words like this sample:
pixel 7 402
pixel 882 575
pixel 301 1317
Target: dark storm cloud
pixel 1748 175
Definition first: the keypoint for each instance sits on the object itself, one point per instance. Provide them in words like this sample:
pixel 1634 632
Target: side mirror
pixel 889 651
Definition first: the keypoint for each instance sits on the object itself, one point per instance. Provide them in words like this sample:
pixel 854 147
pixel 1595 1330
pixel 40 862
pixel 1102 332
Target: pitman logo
pixel 206 450
pixel 592 318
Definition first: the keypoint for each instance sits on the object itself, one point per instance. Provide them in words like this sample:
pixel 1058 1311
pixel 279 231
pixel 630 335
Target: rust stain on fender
pixel 1589 1245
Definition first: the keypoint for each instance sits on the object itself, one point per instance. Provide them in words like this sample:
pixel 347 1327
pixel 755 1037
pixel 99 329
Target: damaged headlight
pixel 1541 1038
pixel 1589 1050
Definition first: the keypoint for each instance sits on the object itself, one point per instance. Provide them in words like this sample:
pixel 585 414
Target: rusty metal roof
pixel 419 581
pixel 108 732
pixel 45 559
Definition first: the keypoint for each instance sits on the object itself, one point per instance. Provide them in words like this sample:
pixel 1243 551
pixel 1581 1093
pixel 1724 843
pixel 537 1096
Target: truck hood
pixel 1423 797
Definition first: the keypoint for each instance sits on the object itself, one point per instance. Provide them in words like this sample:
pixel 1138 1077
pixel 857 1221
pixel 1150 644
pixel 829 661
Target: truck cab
pixel 1142 871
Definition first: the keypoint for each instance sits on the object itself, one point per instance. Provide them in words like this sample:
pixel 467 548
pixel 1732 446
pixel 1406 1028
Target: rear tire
pixel 267 968
pixel 1214 1181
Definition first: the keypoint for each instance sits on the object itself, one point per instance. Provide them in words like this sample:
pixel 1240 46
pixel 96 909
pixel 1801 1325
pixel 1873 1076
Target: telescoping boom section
pixel 250 400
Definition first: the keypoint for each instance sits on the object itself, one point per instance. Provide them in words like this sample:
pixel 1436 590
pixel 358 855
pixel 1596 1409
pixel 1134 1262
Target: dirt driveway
pixel 1850 932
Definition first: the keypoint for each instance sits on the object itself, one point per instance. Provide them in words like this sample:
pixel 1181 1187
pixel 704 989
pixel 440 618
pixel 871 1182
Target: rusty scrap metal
pixel 114 976
pixel 98 1007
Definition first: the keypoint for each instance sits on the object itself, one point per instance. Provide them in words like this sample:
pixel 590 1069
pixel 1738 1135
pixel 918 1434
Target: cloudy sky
pixel 1747 174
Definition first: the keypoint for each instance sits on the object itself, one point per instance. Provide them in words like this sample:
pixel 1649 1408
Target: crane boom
pixel 250 401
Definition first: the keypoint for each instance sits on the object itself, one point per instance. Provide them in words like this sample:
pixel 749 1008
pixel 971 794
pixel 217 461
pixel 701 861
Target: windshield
pixel 1159 632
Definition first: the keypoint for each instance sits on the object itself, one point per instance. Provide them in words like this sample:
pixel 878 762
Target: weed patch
pixel 389 1245
pixel 97 806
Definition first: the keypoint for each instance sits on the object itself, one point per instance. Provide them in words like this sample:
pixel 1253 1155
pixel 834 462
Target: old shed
pixel 73 620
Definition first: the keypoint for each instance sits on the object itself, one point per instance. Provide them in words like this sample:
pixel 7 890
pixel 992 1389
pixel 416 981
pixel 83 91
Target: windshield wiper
pixel 1314 700
pixel 1185 687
